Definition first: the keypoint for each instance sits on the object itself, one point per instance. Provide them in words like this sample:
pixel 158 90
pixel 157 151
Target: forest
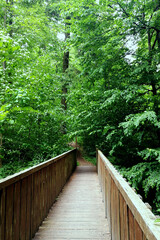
pixel 82 69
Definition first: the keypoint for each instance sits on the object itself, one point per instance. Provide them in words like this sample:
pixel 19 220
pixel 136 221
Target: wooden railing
pixel 128 217
pixel 26 197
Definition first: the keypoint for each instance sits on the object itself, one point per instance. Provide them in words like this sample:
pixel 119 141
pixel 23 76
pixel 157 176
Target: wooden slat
pixel 105 195
pixel 123 219
pixel 138 231
pixel 57 179
pixel 28 210
pixel 33 212
pixel 17 203
pixel 43 193
pixel 131 226
pixel 126 221
pixel 36 215
pixel 54 182
pixel 121 209
pixel 9 212
pixel 112 210
pixel 117 217
pixel 50 183
pixel 23 209
pixel 38 200
pixel 144 237
pixel 32 205
pixel 46 192
pixel 109 199
pixel 40 196
pixel 2 213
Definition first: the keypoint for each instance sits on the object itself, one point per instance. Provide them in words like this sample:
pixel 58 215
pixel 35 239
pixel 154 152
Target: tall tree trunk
pixel 8 19
pixel 158 39
pixel 65 66
pixel 5 25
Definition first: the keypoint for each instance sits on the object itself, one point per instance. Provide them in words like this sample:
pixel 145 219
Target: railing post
pixel 97 160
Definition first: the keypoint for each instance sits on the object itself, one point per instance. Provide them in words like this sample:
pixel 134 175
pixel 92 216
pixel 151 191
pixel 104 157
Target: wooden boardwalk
pixel 78 212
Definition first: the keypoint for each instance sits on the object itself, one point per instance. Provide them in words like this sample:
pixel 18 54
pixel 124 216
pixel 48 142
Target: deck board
pixel 78 212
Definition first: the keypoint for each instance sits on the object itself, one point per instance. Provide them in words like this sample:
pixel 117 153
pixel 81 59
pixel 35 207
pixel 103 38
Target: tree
pixel 30 100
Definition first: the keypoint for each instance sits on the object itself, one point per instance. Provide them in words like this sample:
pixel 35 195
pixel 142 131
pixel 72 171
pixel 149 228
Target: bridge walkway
pixel 78 212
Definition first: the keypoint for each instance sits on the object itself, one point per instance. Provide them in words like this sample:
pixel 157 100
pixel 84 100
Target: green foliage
pixel 91 159
pixel 31 116
pixel 150 154
pixel 113 84
pixel 145 178
pixel 113 101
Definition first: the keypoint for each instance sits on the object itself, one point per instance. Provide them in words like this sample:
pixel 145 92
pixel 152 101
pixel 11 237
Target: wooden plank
pixel 117 214
pixel 40 197
pixel 43 193
pixel 138 231
pixel 109 199
pixel 112 210
pixel 2 213
pixel 57 179
pixel 60 175
pixel 131 226
pixel 28 210
pixel 144 237
pixel 50 195
pixel 17 204
pixel 23 209
pixel 65 169
pixel 124 233
pixel 105 196
pixel 126 221
pixel 36 216
pixel 9 213
pixel 54 182
pixel 103 181
pixel 79 212
pixel 121 208
pixel 45 190
pixel 18 176
pixel 39 220
pixel 33 227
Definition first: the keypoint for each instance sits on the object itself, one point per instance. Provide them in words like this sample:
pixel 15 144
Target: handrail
pixel 22 174
pixel 129 218
pixel 26 197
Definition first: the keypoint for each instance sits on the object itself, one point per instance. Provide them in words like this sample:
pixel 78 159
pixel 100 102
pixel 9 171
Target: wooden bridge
pixel 34 204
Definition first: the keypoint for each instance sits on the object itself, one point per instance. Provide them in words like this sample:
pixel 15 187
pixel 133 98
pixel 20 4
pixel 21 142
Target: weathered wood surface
pixel 78 212
pixel 26 197
pixel 129 218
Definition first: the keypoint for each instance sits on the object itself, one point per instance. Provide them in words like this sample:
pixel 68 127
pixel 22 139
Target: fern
pixel 145 178
pixel 139 122
pixel 150 154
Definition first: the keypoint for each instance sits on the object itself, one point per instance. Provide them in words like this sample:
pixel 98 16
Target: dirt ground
pixel 80 159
